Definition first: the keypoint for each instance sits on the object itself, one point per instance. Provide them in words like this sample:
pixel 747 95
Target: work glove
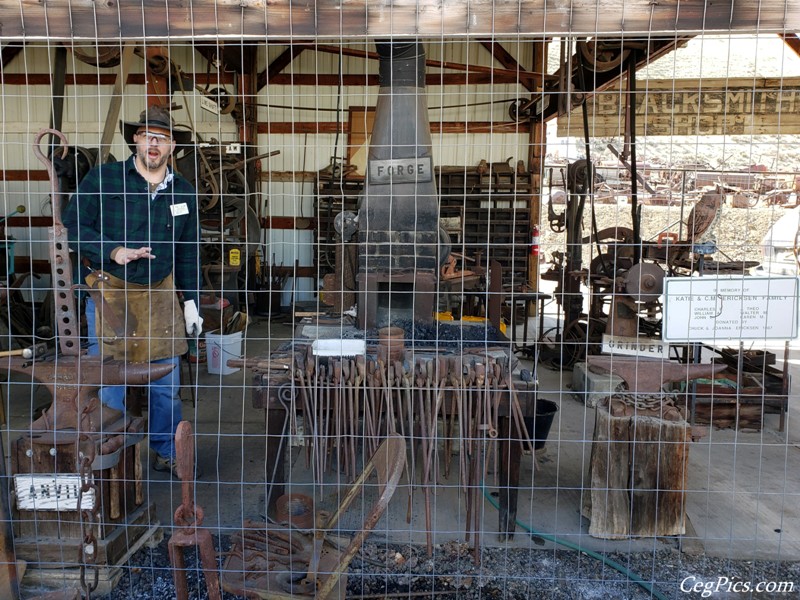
pixel 194 322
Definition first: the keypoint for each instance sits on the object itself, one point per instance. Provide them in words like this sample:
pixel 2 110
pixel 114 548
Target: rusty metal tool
pixel 398 377
pixel 369 402
pixel 381 407
pixel 353 420
pixel 337 413
pixel 361 367
pixel 322 384
pixel 646 376
pixel 467 449
pixel 336 373
pixel 422 434
pixel 516 414
pixel 310 427
pixel 304 393
pixel 189 520
pixel 449 419
pixel 61 264
pixel 429 439
pixel 463 427
pixel 391 425
pixel 355 430
pixel 345 440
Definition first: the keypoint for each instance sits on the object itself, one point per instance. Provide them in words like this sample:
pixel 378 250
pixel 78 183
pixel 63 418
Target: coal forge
pixel 399 218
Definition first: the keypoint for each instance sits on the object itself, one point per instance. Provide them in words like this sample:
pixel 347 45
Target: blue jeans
pixel 163 397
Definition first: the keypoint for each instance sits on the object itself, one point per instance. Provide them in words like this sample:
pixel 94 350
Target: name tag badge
pixel 179 209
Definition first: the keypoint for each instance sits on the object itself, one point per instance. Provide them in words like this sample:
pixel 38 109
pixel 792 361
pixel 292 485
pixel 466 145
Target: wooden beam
pixel 9 53
pixel 23 175
pixel 104 78
pixel 288 223
pixel 792 41
pixel 537 146
pixel 288 176
pixel 24 264
pixel 28 221
pixel 319 127
pixel 517 74
pixel 311 79
pixel 279 64
pixel 281 19
pixel 504 57
pixel 314 79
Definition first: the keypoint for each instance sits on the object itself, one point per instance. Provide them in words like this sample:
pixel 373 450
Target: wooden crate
pixel 52 538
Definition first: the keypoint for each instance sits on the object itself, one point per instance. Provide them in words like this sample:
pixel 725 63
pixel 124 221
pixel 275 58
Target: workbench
pixel 278 391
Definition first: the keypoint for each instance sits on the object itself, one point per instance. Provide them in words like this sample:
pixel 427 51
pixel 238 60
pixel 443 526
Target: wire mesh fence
pixel 501 316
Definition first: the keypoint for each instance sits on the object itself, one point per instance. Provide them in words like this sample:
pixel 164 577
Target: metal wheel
pixel 98 55
pixel 602 55
pixel 581 338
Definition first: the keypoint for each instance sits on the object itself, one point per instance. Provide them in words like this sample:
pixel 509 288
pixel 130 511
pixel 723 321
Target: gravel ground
pixel 380 571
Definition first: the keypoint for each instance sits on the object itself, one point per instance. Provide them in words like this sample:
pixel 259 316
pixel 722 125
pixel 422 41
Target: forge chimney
pixel 398 214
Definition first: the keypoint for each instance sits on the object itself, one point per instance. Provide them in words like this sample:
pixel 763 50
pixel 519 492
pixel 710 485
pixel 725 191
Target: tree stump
pixel 637 474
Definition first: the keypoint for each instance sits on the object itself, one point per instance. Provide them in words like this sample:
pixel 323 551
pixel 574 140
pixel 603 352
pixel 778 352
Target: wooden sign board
pixel 713 309
pixel 736 106
pixel 58 491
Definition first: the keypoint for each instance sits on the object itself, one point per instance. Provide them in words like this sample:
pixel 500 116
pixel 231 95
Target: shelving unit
pixel 334 195
pixel 494 208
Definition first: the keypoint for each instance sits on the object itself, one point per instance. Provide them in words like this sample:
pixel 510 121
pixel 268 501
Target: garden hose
pixel 567 544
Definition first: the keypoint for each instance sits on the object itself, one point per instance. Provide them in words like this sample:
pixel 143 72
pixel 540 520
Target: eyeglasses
pixel 155 138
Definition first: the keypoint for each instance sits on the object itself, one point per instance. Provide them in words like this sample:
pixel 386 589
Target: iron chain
pixel 88 516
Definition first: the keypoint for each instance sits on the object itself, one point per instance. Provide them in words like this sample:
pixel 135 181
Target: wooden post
pixel 637 476
pixel 537 148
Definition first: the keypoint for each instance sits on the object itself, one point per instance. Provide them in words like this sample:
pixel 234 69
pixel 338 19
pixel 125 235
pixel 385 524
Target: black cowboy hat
pixel 154 116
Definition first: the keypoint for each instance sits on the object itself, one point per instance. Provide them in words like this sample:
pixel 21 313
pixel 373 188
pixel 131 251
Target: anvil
pixel 73 382
pixel 648 376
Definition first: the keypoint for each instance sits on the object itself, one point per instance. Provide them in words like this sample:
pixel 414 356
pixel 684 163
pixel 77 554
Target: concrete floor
pixel 742 498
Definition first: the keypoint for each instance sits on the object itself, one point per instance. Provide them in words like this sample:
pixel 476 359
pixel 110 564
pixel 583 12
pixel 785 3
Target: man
pixel 134 225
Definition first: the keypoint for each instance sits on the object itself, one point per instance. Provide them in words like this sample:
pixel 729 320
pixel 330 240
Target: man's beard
pixel 152 165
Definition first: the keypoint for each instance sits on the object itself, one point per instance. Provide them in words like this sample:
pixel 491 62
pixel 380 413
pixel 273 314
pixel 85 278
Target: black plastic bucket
pixel 539 426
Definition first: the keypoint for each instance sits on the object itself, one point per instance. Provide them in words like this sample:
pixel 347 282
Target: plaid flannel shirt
pixel 113 207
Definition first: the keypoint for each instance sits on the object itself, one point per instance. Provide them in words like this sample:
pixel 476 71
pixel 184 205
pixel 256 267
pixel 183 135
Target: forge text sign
pixel 57 491
pixel 730 308
pixel 401 170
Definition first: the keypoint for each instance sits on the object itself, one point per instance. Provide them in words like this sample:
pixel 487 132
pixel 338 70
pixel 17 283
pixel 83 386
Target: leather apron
pixel 153 322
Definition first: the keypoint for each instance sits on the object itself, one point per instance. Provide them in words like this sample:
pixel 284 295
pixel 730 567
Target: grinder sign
pixel 401 170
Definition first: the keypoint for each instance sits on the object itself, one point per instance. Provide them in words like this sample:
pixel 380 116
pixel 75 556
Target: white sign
pixel 631 346
pixel 58 491
pixel 730 308
pixel 208 104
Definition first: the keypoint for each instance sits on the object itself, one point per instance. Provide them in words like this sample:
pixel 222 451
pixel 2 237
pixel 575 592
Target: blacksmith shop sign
pixel 694 107
pixel 730 308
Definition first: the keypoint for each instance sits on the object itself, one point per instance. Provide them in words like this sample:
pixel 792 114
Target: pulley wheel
pixel 346 224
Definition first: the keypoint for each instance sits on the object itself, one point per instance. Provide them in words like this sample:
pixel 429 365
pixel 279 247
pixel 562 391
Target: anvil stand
pixel 639 458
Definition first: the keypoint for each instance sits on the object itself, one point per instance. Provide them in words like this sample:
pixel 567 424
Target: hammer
pixel 29 352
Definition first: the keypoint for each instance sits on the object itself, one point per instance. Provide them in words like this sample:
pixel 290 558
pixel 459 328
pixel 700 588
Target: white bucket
pixel 221 348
